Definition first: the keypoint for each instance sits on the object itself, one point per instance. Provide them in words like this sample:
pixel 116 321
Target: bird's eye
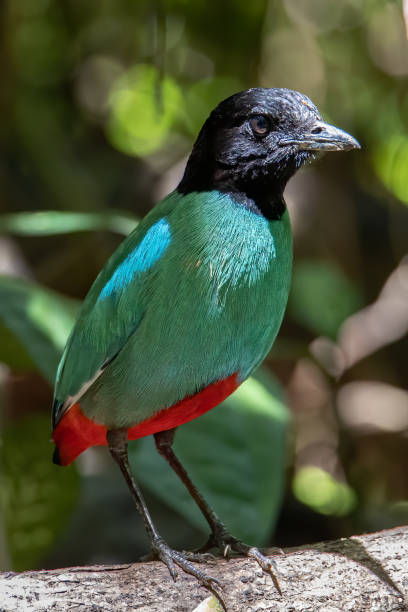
pixel 260 125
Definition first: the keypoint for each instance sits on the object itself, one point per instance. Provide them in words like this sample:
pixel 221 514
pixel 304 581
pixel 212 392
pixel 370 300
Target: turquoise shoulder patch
pixel 142 258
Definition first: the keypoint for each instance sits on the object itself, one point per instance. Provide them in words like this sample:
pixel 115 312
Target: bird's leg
pixel 117 442
pixel 220 537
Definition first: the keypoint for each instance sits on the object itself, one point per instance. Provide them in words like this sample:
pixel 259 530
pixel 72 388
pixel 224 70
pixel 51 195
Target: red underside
pixel 75 432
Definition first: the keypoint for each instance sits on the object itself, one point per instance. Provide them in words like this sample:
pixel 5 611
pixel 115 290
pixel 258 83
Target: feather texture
pixel 195 294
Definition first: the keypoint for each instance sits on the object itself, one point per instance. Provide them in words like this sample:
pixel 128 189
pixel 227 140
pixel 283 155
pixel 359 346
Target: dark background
pixel 100 102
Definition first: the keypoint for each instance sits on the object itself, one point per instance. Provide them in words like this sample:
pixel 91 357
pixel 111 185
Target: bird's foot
pixel 172 558
pixel 221 538
pixel 198 557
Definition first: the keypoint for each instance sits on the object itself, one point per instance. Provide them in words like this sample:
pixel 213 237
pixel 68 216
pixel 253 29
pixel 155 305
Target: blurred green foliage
pixel 144 108
pixel 51 222
pixel 100 103
pixel 319 490
pixel 322 297
pixel 236 455
pixel 39 320
pixel 36 498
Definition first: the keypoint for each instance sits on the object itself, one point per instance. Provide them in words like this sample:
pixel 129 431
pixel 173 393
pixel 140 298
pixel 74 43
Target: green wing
pixel 113 308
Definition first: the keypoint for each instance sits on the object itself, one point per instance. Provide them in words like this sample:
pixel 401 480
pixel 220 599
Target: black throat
pixel 261 197
pixel 270 207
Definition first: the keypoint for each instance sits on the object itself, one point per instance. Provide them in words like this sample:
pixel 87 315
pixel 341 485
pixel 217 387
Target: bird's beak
pixel 323 137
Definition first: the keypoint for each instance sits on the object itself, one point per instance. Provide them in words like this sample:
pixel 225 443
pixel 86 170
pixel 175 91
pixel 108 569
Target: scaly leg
pixel 117 442
pixel 220 536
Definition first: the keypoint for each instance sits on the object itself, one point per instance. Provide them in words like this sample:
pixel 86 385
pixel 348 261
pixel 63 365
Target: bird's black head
pixel 254 141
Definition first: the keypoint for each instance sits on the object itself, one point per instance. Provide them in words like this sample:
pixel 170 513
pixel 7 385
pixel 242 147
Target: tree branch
pixel 368 572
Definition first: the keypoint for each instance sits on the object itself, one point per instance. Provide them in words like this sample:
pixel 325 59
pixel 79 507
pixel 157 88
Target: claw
pixel 171 558
pixel 265 563
pixel 221 538
pixel 172 570
pixel 268 565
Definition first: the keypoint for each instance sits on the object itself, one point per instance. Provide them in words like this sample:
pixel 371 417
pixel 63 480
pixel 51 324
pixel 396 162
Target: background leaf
pixel 51 222
pixel 235 455
pixel 322 296
pixel 36 497
pixel 36 318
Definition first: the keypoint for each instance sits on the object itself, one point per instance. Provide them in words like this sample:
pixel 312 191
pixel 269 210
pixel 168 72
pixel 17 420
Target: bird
pixel 191 302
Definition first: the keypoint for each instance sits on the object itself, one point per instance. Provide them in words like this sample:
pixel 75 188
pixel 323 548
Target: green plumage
pixel 196 293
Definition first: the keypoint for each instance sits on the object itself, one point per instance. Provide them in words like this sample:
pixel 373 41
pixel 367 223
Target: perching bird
pixel 191 302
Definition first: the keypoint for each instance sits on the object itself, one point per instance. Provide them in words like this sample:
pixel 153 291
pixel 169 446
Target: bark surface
pixel 367 572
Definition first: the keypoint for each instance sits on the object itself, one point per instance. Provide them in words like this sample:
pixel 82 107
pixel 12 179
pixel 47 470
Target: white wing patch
pixel 72 399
